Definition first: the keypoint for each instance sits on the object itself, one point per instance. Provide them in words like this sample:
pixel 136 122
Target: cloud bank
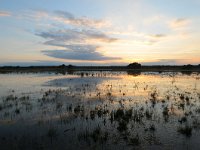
pixel 81 42
pixel 71 35
pixel 77 52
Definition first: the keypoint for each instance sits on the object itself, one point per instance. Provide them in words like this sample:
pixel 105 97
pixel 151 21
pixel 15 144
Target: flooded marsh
pixel 100 110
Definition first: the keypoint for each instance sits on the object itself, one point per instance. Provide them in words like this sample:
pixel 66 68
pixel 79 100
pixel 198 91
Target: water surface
pixel 100 110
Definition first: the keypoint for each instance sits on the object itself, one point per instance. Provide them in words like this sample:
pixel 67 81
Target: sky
pixel 99 32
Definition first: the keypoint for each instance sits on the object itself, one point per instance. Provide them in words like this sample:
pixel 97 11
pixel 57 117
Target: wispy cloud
pixel 5 14
pixel 155 38
pixel 163 62
pixel 179 23
pixel 158 35
pixel 68 18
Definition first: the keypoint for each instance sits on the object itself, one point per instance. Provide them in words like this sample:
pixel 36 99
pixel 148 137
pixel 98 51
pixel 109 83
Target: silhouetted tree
pixel 70 66
pixel 134 65
pixel 62 66
pixel 189 66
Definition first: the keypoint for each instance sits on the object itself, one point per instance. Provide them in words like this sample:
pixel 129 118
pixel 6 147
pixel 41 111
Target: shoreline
pixel 64 69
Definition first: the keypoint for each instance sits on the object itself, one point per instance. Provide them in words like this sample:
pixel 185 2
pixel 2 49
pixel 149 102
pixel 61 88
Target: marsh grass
pixel 52 133
pixel 185 130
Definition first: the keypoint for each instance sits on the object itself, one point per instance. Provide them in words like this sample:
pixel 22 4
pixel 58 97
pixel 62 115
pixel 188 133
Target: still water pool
pixel 100 110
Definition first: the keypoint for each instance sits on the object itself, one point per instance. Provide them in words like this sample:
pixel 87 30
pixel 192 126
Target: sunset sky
pixel 99 32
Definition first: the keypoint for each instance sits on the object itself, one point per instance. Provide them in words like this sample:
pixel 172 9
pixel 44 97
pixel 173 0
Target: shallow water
pixel 100 110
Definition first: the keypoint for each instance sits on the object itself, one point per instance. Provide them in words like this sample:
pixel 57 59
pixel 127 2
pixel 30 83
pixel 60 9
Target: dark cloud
pixel 76 35
pixel 78 52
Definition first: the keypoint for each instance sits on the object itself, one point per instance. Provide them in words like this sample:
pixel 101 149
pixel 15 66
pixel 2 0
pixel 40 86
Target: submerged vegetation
pixel 103 110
